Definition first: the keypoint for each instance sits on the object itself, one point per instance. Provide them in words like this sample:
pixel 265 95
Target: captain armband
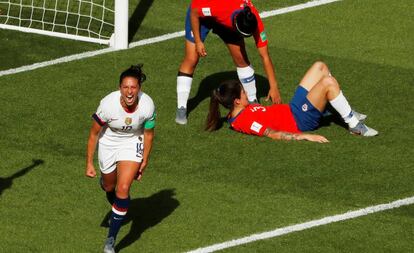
pixel 150 123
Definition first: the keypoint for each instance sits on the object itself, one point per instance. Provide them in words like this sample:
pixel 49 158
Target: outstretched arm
pixel 274 94
pixel 278 135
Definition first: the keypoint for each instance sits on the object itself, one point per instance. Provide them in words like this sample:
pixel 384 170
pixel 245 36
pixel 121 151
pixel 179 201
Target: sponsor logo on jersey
pixel 263 36
pixel 256 127
pixel 128 120
pixel 206 11
pixel 304 107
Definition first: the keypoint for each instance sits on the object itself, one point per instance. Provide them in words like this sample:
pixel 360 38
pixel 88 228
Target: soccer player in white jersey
pixel 123 126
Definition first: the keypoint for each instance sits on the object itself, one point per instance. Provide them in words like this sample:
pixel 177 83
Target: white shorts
pixel 108 156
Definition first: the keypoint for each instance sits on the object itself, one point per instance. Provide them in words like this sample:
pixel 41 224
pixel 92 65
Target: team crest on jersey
pixel 128 120
pixel 304 107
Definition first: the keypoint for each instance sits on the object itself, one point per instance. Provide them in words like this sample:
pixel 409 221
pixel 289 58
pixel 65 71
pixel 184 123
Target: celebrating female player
pixel 287 121
pixel 124 125
pixel 232 21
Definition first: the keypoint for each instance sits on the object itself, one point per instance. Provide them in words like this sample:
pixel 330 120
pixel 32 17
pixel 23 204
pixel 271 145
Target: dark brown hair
pixel 134 71
pixel 224 95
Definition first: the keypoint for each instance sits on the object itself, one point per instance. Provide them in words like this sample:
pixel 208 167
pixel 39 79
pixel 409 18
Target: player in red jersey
pixel 287 121
pixel 232 21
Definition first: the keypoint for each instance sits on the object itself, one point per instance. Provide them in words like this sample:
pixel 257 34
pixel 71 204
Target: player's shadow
pixel 145 213
pixel 137 17
pixel 211 82
pixel 332 117
pixel 7 182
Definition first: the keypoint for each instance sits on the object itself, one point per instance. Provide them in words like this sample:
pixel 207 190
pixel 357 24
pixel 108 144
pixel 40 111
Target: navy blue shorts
pixel 307 117
pixel 227 35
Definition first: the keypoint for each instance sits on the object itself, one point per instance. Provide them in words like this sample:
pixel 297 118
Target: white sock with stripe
pixel 341 105
pixel 248 80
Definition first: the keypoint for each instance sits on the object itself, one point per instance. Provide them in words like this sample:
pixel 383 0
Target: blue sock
pixel 119 210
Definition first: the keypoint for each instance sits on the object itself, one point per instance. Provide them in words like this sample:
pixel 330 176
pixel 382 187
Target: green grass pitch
pixel 204 188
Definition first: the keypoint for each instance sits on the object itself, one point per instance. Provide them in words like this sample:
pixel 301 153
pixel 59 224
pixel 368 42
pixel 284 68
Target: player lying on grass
pixel 124 126
pixel 287 121
pixel 232 21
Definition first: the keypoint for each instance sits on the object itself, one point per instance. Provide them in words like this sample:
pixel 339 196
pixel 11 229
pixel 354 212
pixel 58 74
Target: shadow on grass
pixel 137 17
pixel 145 213
pixel 6 183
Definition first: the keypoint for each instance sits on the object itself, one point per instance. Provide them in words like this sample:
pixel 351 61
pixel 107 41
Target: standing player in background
pixel 232 21
pixel 124 126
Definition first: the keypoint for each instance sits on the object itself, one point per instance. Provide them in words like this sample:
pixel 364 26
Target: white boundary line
pixel 306 225
pixel 152 40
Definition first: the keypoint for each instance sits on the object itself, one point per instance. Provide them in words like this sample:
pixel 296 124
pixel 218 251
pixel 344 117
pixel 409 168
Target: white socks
pixel 246 77
pixel 183 90
pixel 341 105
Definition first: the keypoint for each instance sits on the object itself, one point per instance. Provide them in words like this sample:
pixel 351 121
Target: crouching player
pixel 232 21
pixel 123 126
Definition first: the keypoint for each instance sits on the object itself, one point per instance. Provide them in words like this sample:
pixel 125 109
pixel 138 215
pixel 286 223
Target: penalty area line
pixel 307 225
pixel 153 40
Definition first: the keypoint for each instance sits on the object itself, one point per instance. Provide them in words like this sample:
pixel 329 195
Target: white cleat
pixel 364 130
pixel 109 245
pixel 361 117
pixel 181 116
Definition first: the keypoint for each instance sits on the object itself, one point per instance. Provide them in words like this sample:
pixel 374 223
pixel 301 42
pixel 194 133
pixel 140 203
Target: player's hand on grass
pixel 313 138
pixel 274 95
pixel 201 50
pixel 90 171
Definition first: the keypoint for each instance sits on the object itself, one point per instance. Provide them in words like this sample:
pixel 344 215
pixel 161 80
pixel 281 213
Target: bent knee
pixel 123 189
pixel 321 66
pixel 108 187
pixel 330 82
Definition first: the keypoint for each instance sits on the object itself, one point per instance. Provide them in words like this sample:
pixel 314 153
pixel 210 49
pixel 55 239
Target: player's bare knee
pixel 122 189
pixel 108 187
pixel 321 66
pixel 330 83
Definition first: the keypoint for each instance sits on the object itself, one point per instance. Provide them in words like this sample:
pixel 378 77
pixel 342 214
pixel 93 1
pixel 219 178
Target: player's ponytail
pixel 225 95
pixel 134 71
pixel 245 22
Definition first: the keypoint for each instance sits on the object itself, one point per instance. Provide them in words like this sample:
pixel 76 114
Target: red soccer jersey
pixel 222 12
pixel 254 119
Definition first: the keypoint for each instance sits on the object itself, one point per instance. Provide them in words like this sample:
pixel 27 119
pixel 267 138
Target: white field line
pixel 152 40
pixel 306 225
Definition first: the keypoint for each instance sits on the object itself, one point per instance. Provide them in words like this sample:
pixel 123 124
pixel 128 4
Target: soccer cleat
pixel 109 245
pixel 362 129
pixel 181 116
pixel 359 116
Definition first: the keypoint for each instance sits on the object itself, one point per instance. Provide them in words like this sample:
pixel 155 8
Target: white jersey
pixel 120 126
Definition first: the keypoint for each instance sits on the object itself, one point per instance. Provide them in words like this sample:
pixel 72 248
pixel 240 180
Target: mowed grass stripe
pixel 151 40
